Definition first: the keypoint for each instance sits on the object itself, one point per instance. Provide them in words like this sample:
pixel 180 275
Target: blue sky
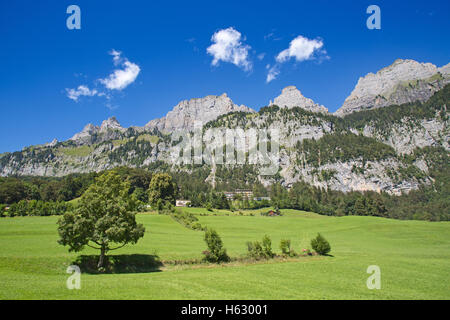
pixel 166 43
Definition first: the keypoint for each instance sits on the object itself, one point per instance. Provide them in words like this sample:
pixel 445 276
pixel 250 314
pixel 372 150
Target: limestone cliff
pixel 402 82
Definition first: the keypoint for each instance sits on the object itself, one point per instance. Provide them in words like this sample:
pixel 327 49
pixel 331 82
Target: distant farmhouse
pixel 182 203
pixel 271 213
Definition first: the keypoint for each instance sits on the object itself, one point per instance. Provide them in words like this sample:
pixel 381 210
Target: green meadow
pixel 414 258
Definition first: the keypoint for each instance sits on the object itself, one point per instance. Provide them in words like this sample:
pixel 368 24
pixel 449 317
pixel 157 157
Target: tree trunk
pixel 101 260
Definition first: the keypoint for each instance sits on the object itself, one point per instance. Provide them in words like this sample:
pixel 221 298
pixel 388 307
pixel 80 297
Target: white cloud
pixel 301 49
pixel 273 72
pixel 125 74
pixel 116 56
pixel 121 78
pixel 82 90
pixel 261 56
pixel 228 47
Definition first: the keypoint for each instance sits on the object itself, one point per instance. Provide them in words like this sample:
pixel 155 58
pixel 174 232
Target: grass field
pixel 82 151
pixel 414 257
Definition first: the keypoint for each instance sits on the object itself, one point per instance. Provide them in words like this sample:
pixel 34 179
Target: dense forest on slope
pixel 384 118
pixel 343 147
pixel 430 202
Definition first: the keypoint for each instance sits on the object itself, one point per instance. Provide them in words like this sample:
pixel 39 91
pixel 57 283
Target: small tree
pixel 216 252
pixel 320 245
pixel 285 246
pixel 104 217
pixel 267 247
pixel 257 250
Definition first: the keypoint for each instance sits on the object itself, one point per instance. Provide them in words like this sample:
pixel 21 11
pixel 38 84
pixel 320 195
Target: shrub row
pixel 35 208
pixel 263 250
pixel 188 220
pixel 216 253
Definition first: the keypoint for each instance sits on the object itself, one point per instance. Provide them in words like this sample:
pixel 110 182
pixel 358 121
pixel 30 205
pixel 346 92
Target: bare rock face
pixel 445 71
pixel 85 136
pixel 109 129
pixel 202 110
pixel 111 124
pixel 402 82
pixel 405 138
pixel 292 97
pixel 52 144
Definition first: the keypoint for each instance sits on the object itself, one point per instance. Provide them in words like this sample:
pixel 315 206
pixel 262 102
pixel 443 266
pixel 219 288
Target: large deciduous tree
pixel 104 218
pixel 162 188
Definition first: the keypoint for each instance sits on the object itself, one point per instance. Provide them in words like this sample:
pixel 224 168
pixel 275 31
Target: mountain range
pixel 385 137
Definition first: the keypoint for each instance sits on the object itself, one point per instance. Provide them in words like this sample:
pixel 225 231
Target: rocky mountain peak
pixel 90 128
pixel 109 129
pixel 85 135
pixel 184 115
pixel 403 81
pixel 110 123
pixel 292 97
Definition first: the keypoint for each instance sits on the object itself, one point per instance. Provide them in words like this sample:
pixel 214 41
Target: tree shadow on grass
pixel 125 263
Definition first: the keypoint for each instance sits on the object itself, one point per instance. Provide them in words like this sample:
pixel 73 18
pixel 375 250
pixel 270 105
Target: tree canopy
pixel 162 189
pixel 104 218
